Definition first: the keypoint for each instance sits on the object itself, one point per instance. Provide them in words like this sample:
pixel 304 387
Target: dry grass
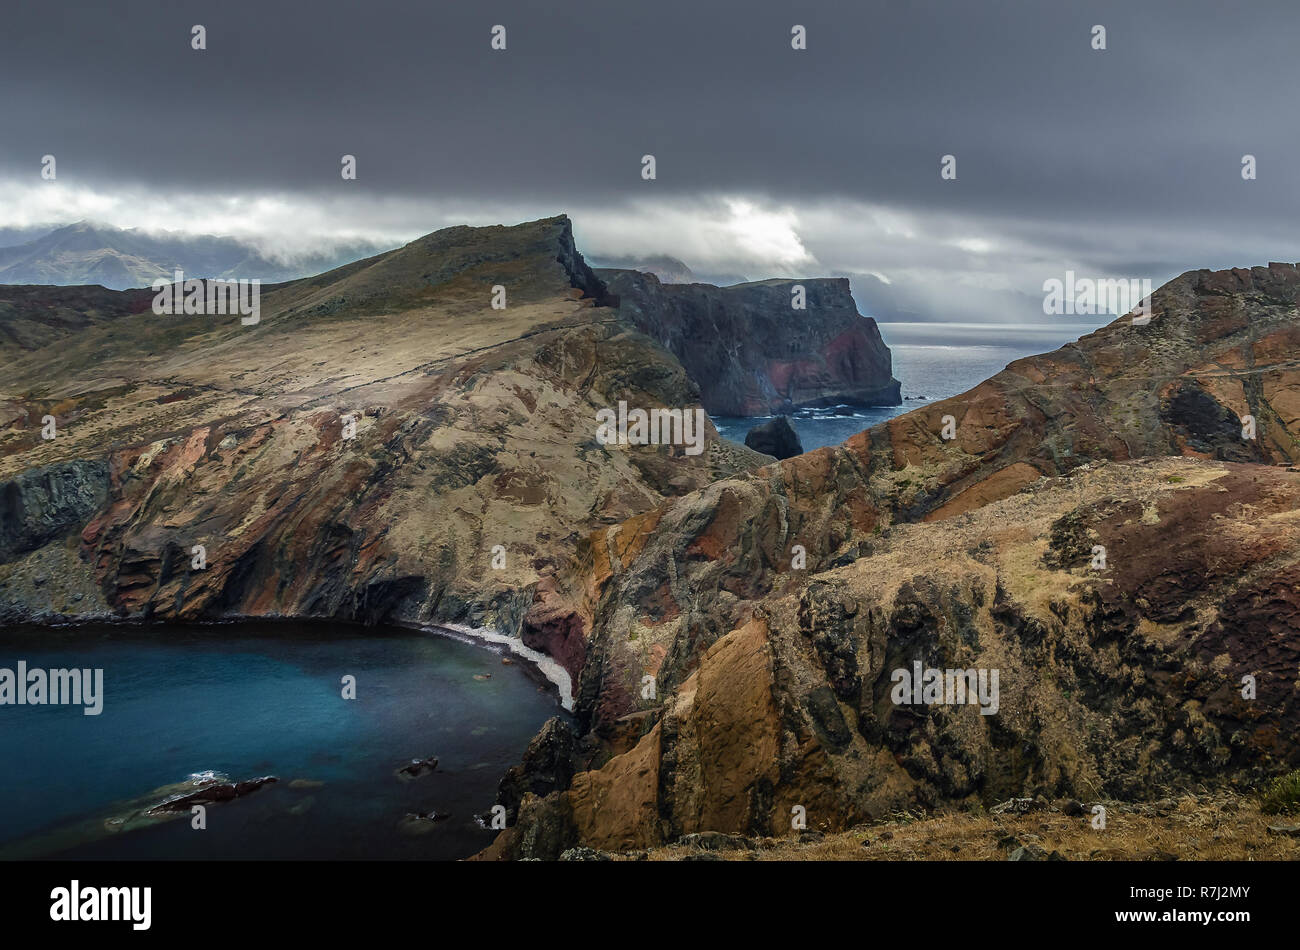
pixel 1220 827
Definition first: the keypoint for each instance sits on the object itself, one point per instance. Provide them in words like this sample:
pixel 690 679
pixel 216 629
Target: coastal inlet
pixel 201 714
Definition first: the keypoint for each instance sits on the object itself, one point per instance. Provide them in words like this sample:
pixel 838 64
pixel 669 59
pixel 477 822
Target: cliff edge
pixel 752 352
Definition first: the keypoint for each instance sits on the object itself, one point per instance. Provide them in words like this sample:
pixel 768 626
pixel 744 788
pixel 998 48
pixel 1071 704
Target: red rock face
pixel 557 632
pixel 752 353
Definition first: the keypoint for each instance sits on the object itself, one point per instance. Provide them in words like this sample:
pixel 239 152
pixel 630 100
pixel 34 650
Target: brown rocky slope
pixel 475 439
pixel 474 428
pixel 772 676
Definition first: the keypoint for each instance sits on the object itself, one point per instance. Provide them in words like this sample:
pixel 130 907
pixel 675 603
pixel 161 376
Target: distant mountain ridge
pixel 876 298
pixel 121 259
pixel 669 269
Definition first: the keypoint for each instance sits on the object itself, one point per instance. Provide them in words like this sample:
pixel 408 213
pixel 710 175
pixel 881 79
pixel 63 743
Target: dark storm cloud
pixel 1131 154
pixel 1035 117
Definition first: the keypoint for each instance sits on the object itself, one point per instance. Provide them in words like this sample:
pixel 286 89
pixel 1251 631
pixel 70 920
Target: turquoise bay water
pixel 932 361
pixel 250 700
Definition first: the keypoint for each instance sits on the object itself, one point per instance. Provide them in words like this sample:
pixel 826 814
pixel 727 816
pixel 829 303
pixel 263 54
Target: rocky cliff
pixel 382 444
pixel 962 535
pixel 385 444
pixel 752 352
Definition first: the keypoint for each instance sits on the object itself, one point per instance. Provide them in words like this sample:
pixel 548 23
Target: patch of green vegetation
pixel 1175 479
pixel 907 816
pixel 1283 795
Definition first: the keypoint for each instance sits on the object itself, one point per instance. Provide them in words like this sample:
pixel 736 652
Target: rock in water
pixel 416 823
pixel 776 438
pixel 417 767
pixel 210 792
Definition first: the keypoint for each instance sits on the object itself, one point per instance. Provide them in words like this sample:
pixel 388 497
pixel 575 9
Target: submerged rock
pixel 417 767
pixel 168 803
pixel 416 823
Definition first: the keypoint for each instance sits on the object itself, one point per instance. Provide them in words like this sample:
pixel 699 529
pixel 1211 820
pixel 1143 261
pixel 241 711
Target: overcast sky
pixel 770 161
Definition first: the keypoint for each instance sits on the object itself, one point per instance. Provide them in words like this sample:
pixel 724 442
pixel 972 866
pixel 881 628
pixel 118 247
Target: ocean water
pixel 932 361
pixel 250 700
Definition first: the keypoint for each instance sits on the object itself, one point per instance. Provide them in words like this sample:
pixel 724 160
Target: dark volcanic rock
pixel 776 438
pixel 44 503
pixel 584 854
pixel 209 793
pixel 417 767
pixel 547 767
pixel 753 354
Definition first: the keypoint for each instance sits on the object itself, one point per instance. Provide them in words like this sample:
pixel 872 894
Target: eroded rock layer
pixel 1113 682
pixel 934 537
pixel 382 444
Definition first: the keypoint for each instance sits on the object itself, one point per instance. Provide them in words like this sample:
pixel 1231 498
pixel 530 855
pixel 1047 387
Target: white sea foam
pixel 549 668
pixel 207 777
